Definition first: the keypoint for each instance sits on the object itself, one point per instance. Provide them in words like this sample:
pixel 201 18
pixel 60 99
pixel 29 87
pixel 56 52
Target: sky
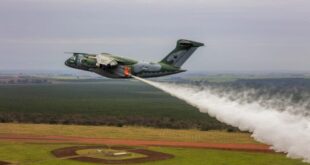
pixel 240 35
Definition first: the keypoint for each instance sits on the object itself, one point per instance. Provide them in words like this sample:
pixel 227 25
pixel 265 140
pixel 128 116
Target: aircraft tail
pixel 183 50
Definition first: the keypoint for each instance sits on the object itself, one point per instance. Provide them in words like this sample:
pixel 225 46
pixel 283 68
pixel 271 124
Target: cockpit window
pixel 72 58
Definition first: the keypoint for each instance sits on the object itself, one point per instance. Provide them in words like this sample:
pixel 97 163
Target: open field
pixel 39 154
pixel 35 151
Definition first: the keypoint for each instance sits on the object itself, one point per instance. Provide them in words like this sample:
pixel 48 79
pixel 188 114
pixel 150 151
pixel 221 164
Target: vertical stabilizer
pixel 184 49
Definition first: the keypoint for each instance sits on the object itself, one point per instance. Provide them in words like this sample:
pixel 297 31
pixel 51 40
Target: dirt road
pixel 129 142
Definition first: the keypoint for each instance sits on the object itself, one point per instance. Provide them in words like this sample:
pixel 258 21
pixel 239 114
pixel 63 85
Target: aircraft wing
pixel 117 59
pixel 79 53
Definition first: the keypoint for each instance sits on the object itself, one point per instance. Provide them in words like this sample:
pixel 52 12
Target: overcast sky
pixel 240 35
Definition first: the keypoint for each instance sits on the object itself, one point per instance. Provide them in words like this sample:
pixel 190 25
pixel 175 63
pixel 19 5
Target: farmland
pixel 104 102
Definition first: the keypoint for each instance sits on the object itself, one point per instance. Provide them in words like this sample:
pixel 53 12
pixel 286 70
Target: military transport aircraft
pixel 112 66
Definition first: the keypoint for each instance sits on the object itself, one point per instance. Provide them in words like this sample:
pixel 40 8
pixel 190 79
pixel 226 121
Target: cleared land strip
pixel 128 142
pixel 4 163
pixel 128 132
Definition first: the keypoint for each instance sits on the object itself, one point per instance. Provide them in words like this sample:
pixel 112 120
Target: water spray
pixel 283 131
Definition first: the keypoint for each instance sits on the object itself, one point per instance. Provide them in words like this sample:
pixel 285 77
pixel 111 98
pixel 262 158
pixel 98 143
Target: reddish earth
pixel 4 163
pixel 70 152
pixel 128 142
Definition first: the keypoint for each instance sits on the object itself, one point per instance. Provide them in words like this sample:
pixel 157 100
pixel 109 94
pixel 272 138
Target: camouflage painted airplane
pixel 112 66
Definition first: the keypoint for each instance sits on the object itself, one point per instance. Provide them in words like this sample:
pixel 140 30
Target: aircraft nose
pixel 67 62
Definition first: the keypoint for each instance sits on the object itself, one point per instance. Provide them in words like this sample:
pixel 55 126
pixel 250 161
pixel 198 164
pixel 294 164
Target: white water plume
pixel 284 131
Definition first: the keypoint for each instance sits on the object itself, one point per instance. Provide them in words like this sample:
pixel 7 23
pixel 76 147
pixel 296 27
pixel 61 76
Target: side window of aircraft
pixel 144 67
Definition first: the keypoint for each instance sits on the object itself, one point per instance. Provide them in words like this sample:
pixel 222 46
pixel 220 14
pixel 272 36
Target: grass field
pixel 217 157
pixel 141 133
pixel 39 154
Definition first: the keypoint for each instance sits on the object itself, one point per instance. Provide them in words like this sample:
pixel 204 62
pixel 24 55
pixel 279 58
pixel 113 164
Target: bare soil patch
pixel 4 163
pixel 70 153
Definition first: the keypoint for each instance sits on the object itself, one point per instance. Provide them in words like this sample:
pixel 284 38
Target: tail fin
pixel 183 50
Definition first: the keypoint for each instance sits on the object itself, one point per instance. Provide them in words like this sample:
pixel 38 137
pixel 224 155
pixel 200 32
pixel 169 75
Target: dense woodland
pixel 105 102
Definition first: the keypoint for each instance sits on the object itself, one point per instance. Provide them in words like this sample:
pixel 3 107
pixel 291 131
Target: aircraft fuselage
pixel 112 66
